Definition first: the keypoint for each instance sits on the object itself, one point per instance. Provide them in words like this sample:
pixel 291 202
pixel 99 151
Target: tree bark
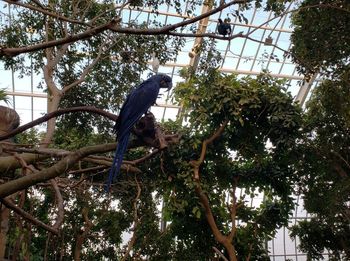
pixel 82 236
pixel 9 120
pixel 57 169
pixel 4 220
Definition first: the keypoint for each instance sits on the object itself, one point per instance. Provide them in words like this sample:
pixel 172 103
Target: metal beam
pixel 304 90
pixel 202 28
pixel 245 72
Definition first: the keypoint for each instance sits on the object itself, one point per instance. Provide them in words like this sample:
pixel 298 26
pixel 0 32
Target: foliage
pixel 258 110
pixel 237 166
pixel 320 30
pixel 324 170
pixel 3 96
pixel 31 137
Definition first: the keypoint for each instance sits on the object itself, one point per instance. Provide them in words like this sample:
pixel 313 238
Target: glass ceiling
pixel 240 55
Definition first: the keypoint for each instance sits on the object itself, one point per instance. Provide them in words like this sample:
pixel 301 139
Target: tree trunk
pixel 9 120
pixel 52 105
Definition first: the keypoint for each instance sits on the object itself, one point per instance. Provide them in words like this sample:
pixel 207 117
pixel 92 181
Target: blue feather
pixel 117 161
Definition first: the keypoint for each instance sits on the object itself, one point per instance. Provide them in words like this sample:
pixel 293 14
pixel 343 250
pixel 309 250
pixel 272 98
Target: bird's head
pixel 165 81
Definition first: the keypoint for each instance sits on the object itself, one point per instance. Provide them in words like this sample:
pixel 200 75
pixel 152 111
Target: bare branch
pixel 144 158
pixel 43 10
pixel 58 113
pixel 113 25
pixel 10 52
pixel 27 216
pixel 9 162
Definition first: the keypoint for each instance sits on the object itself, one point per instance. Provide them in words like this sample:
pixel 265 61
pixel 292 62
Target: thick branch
pixel 233 209
pixel 27 216
pixel 10 162
pixel 226 241
pixel 57 169
pixel 209 214
pixel 58 113
pixel 69 39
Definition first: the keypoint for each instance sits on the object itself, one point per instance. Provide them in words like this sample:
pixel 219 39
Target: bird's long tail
pixel 117 161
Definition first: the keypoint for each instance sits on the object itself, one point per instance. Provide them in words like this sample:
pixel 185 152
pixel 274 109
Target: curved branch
pixel 196 163
pixel 58 113
pixel 226 241
pixel 10 52
pixel 27 216
pixel 115 27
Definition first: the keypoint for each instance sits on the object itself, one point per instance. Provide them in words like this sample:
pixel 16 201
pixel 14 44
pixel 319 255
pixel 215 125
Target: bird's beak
pixel 170 85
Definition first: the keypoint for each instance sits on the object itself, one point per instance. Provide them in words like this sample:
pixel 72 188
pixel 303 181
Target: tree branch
pixel 82 236
pixel 233 209
pixel 85 71
pixel 136 222
pixel 196 163
pixel 57 169
pixel 226 241
pixel 58 113
pixel 10 52
pixel 219 253
pixel 27 216
pixel 113 25
pixel 60 208
pixel 46 12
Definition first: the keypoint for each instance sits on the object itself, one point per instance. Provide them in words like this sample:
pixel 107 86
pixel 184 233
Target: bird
pixel 224 28
pixel 136 104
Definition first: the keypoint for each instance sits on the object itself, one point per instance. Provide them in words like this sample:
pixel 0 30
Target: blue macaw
pixel 136 104
pixel 224 28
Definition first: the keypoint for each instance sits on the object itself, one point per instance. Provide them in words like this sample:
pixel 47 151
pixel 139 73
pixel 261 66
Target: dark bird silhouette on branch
pixel 136 104
pixel 224 28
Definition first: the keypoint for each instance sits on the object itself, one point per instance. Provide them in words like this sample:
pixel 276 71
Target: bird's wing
pixel 117 122
pixel 136 105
